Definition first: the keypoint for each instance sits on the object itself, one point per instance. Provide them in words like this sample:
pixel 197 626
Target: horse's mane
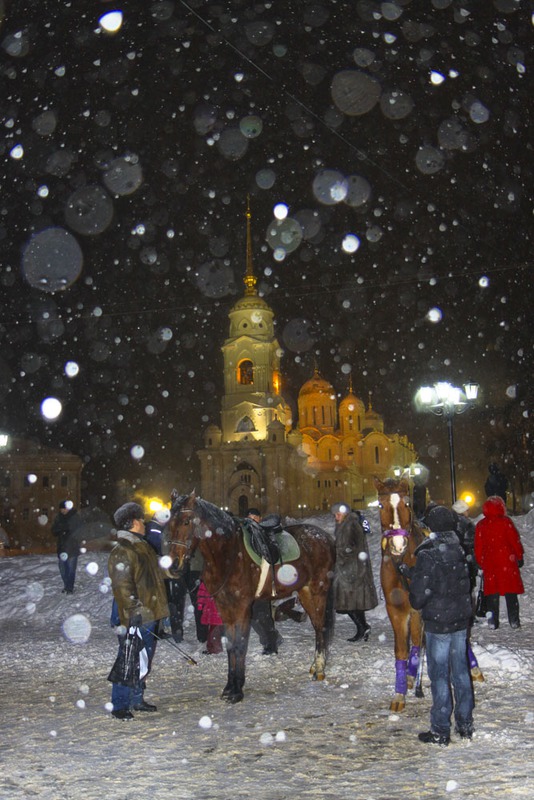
pixel 391 485
pixel 217 519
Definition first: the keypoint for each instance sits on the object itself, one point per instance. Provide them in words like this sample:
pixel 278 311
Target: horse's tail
pixel 329 616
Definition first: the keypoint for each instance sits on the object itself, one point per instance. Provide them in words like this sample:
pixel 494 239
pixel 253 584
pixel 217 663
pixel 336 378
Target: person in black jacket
pixel 440 588
pixel 262 621
pixel 68 546
pixel 496 483
pixel 177 588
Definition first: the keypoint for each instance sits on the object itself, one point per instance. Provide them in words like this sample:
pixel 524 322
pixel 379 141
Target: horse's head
pixel 395 513
pixel 180 531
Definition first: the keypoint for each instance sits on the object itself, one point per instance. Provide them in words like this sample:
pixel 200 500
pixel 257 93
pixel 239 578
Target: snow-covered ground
pixel 289 739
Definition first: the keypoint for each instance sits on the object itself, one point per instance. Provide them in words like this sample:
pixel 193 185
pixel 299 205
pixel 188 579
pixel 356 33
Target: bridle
pixel 186 544
pixel 396 538
pixel 189 550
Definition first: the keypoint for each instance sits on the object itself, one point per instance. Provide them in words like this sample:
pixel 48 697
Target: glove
pixel 520 563
pixel 136 620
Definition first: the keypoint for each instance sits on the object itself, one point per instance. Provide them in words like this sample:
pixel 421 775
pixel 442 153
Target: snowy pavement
pixel 289 738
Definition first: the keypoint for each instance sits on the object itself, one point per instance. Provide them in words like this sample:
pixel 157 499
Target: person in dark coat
pixel 140 597
pixel 440 589
pixel 64 528
pixel 499 553
pixel 354 586
pixel 177 588
pixel 496 483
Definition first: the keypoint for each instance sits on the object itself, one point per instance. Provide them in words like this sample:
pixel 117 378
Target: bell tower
pixel 251 353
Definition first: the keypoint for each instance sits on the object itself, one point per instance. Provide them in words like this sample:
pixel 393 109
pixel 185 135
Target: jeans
pixel 67 570
pixel 125 697
pixel 447 663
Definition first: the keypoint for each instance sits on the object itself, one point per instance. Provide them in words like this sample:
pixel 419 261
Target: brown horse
pixel 400 537
pixel 232 578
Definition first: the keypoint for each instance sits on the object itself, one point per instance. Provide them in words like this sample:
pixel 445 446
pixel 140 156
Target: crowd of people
pixel 449 561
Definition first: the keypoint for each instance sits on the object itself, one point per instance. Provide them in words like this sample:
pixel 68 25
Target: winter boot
pixel 512 606
pixel 492 611
pixel 429 737
pixel 362 628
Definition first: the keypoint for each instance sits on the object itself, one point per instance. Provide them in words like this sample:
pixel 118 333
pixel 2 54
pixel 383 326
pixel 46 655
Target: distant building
pixel 33 481
pixel 257 457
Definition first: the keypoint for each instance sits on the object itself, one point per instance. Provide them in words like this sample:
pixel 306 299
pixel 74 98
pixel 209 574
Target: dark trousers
pixel 177 591
pixel 67 570
pixel 125 697
pixel 263 624
pixel 492 607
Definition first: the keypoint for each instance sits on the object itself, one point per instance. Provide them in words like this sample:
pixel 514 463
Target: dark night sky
pixel 138 156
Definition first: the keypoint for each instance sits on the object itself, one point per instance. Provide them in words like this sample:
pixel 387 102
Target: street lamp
pixel 446 400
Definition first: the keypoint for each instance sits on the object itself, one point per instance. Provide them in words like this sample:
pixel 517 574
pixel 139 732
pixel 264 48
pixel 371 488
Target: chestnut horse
pixel 400 537
pixel 232 578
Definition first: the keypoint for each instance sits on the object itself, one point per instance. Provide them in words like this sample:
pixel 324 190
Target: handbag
pixel 131 664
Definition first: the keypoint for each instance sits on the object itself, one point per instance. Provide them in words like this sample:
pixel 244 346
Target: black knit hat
pixel 125 515
pixel 440 519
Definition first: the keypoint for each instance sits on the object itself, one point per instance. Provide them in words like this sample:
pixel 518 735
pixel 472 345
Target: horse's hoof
pixel 410 680
pixel 477 675
pixel 235 698
pixel 317 676
pixel 398 703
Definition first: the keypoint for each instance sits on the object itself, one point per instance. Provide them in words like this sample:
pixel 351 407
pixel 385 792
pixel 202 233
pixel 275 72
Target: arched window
pixel 245 372
pixel 245 425
pixel 377 455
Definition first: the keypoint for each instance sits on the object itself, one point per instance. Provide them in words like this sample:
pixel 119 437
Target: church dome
pixel 249 303
pixel 351 403
pixel 373 419
pixel 317 405
pixel 316 385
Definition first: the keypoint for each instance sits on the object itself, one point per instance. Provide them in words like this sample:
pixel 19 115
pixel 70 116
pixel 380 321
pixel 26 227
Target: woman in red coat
pixel 499 553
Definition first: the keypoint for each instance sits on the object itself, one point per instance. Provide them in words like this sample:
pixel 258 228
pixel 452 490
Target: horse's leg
pixel 399 619
pixel 237 643
pixel 316 605
pixel 476 672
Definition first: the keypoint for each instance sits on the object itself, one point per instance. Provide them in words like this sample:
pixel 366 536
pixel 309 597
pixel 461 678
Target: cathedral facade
pixel 259 457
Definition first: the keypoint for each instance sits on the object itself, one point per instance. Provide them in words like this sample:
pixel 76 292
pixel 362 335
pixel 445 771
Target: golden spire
pixel 370 403
pixel 250 279
pixel 350 383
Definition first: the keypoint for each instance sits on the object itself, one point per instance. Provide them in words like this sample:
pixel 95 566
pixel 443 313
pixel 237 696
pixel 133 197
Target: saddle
pixel 268 541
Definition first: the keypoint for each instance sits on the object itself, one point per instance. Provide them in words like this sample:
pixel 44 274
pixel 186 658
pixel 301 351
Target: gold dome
pixel 251 302
pixel 352 403
pixel 317 385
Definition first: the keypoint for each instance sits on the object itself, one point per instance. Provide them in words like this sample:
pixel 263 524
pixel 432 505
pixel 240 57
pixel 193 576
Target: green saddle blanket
pixel 289 548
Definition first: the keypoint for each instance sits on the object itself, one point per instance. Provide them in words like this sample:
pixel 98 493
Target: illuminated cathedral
pixel 258 457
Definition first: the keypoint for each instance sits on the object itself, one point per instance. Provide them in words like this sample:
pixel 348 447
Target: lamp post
pixel 446 400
